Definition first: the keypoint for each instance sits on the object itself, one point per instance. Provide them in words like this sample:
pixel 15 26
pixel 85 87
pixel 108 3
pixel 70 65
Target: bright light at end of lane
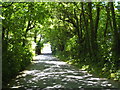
pixel 46 48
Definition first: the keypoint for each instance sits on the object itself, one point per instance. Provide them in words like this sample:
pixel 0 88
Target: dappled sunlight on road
pixel 47 71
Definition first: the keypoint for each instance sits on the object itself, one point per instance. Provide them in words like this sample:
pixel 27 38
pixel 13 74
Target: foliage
pixel 84 34
pixel 20 25
pixel 87 35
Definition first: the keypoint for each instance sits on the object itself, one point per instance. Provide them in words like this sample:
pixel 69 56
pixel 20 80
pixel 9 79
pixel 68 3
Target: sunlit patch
pixel 109 84
pixel 44 57
pixel 58 86
pixel 92 79
pixel 87 76
pixel 76 77
pixel 80 87
pixel 55 62
pixel 91 82
pixel 16 87
pixel 30 72
pixel 44 83
pixel 55 86
pixel 69 71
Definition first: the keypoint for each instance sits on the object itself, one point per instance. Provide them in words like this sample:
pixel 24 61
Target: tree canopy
pixel 85 34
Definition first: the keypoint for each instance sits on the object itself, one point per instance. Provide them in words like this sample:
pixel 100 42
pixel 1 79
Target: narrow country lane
pixel 83 32
pixel 47 71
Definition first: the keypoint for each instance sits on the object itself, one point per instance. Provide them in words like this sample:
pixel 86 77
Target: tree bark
pixel 97 21
pixel 116 33
pixel 87 36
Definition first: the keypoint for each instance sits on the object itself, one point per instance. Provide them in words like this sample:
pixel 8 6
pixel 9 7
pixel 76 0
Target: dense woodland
pixel 86 35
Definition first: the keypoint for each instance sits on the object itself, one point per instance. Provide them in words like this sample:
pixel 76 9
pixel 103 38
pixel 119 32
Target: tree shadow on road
pixel 47 71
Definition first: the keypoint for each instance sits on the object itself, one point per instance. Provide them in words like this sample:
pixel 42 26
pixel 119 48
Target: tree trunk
pixel 92 32
pixel 116 33
pixel 87 35
pixel 116 42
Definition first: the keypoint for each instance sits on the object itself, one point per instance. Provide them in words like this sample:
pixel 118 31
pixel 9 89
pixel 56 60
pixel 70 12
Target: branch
pixel 70 20
pixel 97 20
pixel 6 6
pixel 29 27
